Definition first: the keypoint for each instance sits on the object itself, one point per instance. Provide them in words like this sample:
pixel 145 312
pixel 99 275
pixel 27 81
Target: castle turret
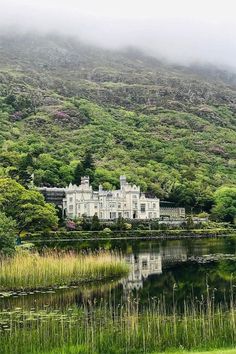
pixel 85 181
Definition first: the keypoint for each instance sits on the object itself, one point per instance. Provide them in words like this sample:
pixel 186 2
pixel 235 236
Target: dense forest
pixel 67 109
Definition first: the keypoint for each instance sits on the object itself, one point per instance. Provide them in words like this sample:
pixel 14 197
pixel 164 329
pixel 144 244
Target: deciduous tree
pixel 224 208
pixel 7 234
pixel 27 207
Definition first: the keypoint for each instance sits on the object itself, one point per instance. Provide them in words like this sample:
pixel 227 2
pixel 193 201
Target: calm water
pixel 180 269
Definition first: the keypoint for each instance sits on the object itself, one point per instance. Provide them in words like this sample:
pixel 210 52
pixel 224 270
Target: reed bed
pixel 33 271
pixel 125 328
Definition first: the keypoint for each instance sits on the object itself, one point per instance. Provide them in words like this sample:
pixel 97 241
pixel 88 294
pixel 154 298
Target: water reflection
pixel 156 268
pixel 144 264
pixel 141 266
pixel 57 299
pixel 191 269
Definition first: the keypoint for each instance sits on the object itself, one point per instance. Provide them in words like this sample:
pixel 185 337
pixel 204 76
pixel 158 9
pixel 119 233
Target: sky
pixel 182 31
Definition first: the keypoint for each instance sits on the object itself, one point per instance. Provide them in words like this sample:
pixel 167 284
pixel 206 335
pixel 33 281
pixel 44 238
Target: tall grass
pixel 100 328
pixel 33 271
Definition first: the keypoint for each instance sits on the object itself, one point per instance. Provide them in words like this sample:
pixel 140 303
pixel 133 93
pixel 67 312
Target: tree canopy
pixel 26 207
pixel 8 231
pixel 225 204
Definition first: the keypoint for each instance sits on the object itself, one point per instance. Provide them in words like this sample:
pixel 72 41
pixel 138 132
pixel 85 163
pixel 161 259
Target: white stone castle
pixel 127 202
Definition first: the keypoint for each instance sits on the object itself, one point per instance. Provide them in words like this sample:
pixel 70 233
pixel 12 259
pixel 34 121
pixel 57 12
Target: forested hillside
pixel 170 129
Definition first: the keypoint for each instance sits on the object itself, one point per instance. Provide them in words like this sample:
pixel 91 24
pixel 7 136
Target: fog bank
pixel 183 31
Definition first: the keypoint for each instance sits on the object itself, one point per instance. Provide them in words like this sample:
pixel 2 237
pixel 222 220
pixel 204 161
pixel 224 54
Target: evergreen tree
pixel 95 226
pixel 78 173
pixel 84 168
pixel 190 223
pixel 120 224
pixel 88 162
pixel 88 165
pixel 85 224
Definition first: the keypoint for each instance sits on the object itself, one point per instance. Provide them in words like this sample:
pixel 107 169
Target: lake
pixel 179 294
pixel 189 268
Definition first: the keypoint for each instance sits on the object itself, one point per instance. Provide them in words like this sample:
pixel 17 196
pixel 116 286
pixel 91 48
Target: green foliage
pixel 225 204
pixel 171 169
pixel 84 168
pixel 106 231
pixel 120 224
pixel 116 116
pixel 127 226
pixel 26 207
pixel 95 224
pixel 7 235
pixel 189 223
pixel 85 223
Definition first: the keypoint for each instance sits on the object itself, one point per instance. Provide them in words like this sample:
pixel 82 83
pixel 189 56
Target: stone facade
pixel 53 195
pixel 127 202
pixel 170 211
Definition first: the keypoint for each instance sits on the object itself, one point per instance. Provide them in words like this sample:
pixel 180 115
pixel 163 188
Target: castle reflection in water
pixel 144 264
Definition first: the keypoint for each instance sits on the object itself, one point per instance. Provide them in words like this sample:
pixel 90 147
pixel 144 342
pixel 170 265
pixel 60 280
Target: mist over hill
pixel 169 128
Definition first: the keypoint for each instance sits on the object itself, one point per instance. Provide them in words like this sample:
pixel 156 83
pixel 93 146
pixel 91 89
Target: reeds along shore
pixel 34 271
pixel 102 327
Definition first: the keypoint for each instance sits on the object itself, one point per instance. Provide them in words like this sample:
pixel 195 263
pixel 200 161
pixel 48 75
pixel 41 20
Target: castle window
pixel 154 205
pixel 144 264
pixel 142 208
pixel 71 199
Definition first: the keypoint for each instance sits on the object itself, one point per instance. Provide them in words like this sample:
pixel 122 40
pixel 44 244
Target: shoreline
pixel 68 236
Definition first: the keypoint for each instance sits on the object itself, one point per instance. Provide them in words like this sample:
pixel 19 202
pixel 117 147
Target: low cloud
pixel 182 31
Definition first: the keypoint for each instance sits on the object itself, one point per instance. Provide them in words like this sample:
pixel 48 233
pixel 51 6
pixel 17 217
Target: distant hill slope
pixel 170 129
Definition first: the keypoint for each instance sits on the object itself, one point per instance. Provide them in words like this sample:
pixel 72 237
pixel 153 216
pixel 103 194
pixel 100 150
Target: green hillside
pixel 170 129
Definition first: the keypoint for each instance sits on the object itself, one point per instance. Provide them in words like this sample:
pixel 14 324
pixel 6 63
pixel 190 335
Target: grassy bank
pixel 99 327
pixel 33 271
pixel 79 350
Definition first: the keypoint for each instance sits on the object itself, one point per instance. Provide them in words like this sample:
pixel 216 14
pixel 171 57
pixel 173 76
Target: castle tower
pixel 122 181
pixel 85 181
